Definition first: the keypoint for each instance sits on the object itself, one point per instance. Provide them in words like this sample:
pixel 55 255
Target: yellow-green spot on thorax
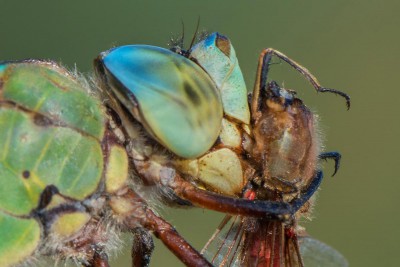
pixel 19 239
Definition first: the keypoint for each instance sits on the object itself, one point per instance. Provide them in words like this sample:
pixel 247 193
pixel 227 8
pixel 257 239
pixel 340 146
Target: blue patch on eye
pixel 210 40
pixel 139 67
pixel 2 68
pixel 167 88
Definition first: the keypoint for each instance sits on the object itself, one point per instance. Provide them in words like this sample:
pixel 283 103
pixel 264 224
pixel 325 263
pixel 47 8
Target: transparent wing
pixel 222 248
pixel 241 241
pixel 315 254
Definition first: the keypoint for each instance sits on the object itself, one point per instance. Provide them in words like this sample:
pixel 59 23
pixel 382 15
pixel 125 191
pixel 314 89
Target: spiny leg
pixel 299 202
pixel 142 247
pixel 100 259
pixel 138 214
pixel 275 210
pixel 262 75
pixel 171 238
pixel 332 155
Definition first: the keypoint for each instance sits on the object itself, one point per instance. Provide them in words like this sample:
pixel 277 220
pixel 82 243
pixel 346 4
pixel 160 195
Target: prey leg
pixel 100 259
pixel 142 247
pixel 265 60
pixel 332 155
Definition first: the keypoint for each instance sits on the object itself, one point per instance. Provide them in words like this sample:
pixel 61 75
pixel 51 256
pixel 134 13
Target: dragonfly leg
pixel 100 259
pixel 142 247
pixel 275 210
pixel 265 60
pixel 332 155
pixel 135 213
pixel 171 238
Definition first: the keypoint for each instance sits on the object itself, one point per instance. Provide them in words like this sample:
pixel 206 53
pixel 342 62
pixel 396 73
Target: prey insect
pixel 279 158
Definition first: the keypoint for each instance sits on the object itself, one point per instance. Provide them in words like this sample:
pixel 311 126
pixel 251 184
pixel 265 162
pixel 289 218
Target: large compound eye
pixel 178 103
pixel 217 57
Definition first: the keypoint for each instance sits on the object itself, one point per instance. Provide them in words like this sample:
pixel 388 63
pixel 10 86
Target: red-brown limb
pixel 162 230
pixel 264 61
pixel 100 259
pixel 275 210
pixel 142 247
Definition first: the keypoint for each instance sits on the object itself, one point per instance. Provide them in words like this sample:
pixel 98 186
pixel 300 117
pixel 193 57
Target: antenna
pixel 195 33
pixel 183 34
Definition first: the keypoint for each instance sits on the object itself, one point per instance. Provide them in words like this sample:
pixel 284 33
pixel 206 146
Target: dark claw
pixel 332 155
pixel 337 92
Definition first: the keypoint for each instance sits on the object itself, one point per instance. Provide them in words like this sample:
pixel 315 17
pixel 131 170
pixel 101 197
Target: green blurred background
pixel 353 46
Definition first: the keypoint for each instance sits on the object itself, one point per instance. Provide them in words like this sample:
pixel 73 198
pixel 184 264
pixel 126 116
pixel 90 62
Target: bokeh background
pixel 353 46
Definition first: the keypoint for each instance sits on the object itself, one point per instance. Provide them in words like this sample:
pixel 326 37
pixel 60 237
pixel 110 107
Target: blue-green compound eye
pixel 176 100
pixel 217 57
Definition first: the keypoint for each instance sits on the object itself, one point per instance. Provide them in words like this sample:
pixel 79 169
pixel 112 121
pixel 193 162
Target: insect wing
pixel 315 253
pixel 242 241
pixel 224 246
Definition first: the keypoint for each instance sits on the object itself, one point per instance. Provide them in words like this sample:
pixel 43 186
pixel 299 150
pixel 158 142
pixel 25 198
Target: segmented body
pixel 58 162
pixel 183 124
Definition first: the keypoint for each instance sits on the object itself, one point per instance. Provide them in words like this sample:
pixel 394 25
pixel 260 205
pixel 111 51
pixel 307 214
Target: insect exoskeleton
pixel 278 154
pixel 57 163
pixel 65 190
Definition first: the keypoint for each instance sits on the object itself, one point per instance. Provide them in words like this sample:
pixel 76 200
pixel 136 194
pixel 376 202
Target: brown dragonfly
pixel 281 161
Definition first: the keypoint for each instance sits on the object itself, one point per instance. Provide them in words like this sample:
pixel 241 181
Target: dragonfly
pixel 263 165
pixel 172 122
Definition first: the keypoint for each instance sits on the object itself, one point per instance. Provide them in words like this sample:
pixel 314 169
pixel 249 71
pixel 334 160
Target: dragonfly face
pixel 271 159
pixel 268 161
pixel 216 164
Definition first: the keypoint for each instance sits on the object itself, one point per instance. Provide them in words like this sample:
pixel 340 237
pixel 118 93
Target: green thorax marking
pixel 42 143
pixel 45 88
